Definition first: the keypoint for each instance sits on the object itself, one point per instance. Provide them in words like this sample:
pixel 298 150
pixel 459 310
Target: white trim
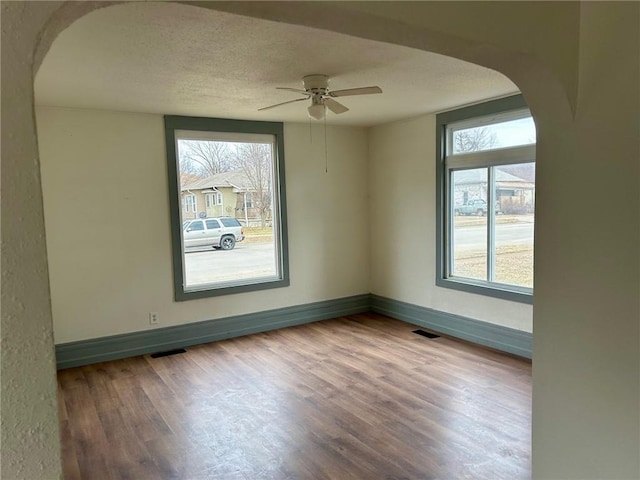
pixel 492 119
pixel 499 156
pixel 230 137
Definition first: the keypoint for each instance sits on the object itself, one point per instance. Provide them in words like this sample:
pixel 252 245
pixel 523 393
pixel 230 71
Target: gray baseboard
pixel 114 347
pixel 494 336
pixel 85 352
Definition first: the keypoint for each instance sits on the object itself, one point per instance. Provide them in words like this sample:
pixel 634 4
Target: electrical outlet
pixel 154 318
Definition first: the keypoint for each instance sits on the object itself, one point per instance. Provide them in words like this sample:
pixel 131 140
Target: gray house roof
pixel 234 178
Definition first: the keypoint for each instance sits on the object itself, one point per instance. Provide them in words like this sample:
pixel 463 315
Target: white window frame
pixel 190 202
pixel 213 199
pixel 248 200
pixel 497 111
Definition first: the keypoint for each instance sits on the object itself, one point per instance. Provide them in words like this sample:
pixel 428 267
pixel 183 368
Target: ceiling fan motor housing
pixel 316 81
pixel 317 85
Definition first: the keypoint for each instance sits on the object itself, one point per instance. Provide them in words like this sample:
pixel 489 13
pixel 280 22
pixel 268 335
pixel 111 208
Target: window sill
pixel 503 292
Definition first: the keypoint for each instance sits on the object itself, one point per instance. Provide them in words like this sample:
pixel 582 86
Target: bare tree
pixel 187 167
pixel 474 139
pixel 205 158
pixel 255 161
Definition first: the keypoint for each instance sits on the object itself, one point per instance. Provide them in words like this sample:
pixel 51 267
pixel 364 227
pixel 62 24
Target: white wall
pixel 402 230
pixel 29 433
pixel 104 181
pixel 586 367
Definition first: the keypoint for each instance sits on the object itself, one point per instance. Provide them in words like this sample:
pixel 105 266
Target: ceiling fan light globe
pixel 316 111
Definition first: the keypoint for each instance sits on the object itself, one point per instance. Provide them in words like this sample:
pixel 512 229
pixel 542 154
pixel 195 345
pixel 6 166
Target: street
pixel 506 234
pixel 246 260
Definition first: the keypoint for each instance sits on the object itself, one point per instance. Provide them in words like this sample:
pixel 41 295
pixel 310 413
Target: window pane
pixel 195 226
pixel 244 247
pixel 230 222
pixel 511 133
pixel 515 194
pixel 469 223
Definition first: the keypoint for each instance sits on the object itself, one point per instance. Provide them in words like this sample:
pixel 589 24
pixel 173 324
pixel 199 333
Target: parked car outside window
pixel 477 206
pixel 219 233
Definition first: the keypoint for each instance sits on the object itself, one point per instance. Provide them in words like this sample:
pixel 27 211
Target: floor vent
pixel 167 353
pixel 426 334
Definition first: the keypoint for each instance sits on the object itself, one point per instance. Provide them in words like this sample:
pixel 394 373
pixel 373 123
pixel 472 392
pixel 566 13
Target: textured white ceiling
pixel 177 59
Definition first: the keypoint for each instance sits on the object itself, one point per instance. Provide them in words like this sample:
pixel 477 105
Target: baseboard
pixel 114 347
pixel 494 336
pixel 85 352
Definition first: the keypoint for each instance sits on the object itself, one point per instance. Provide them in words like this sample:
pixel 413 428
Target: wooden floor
pixel 357 397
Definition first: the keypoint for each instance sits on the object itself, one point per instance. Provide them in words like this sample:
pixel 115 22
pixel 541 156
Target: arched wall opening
pixel 417 38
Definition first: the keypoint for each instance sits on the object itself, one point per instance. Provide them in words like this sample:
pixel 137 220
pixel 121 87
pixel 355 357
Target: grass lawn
pixel 258 234
pixel 473 220
pixel 258 231
pixel 514 265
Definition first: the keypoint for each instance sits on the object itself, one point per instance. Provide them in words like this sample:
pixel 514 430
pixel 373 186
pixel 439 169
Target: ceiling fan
pixel 316 88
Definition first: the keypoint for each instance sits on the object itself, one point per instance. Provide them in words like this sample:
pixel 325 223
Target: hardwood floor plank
pixel 358 397
pixel 129 456
pixel 101 385
pixel 70 468
pixel 91 447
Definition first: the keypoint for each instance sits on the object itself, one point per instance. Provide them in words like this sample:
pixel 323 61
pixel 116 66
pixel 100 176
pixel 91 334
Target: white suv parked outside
pixel 221 232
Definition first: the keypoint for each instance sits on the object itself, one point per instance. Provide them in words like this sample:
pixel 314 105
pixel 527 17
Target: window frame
pixel 174 123
pixel 501 109
pixel 213 199
pixel 248 200
pixel 188 205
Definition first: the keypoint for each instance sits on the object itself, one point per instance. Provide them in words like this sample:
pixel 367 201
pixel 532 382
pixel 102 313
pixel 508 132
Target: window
pixel 214 198
pixel 249 253
pixel 190 204
pixel 230 222
pixel 485 199
pixel 248 200
pixel 195 226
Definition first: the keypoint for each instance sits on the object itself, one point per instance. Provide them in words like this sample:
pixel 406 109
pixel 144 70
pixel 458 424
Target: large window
pixel 486 198
pixel 220 244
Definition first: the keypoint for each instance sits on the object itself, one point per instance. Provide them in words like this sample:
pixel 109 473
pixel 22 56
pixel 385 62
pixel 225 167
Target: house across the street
pixel 227 194
pixel 514 195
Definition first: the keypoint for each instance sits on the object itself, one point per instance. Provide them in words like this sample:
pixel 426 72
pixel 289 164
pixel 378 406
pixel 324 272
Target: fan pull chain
pixel 326 156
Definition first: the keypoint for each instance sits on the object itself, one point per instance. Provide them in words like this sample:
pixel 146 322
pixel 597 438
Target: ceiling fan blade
pixel 278 104
pixel 335 107
pixel 294 90
pixel 355 91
